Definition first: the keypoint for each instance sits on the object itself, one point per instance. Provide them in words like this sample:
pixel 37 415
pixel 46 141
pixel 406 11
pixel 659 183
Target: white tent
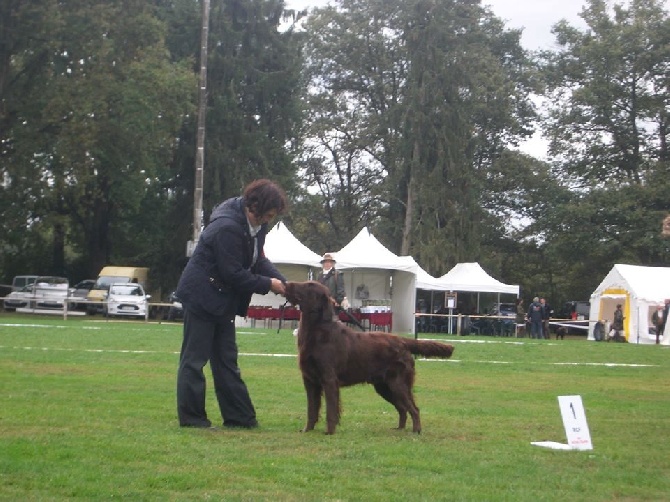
pixel 372 272
pixel 639 290
pixel 426 281
pixel 283 248
pixel 291 257
pixel 472 277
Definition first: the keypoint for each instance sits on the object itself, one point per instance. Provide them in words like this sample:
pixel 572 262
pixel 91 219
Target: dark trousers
pixel 212 341
pixel 536 330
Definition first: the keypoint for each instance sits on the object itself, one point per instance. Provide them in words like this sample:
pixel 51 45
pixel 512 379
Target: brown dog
pixel 332 355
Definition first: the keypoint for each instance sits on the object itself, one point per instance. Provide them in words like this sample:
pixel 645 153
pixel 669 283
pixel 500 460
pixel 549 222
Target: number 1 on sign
pixel 574 421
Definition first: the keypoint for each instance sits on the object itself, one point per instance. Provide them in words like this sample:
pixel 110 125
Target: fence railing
pixel 67 309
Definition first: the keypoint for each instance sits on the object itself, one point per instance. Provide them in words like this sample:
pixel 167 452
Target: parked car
pixel 578 311
pixel 504 310
pixel 50 292
pixel 18 299
pixel 112 275
pixel 80 290
pixel 19 282
pixel 126 299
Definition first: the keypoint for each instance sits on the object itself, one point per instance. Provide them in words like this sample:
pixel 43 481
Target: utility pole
pixel 200 140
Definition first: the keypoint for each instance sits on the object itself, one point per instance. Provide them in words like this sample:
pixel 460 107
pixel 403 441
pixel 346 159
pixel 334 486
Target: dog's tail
pixel 428 348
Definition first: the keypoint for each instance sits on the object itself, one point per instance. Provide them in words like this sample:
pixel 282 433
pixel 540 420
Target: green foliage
pixel 410 104
pixel 609 91
pixel 253 87
pixel 95 127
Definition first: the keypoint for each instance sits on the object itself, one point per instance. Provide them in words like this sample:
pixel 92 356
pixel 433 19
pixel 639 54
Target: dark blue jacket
pixel 535 312
pixel 219 279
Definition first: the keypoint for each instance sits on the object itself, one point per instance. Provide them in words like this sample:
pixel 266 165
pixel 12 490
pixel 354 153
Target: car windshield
pixel 126 289
pixel 104 281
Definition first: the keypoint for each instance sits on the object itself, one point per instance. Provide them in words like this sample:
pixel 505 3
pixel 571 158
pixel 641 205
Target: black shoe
pixel 200 425
pixel 234 424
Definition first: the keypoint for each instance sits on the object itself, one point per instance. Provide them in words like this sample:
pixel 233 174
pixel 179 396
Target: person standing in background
pixel 657 320
pixel 520 318
pixel 332 279
pixel 666 313
pixel 617 325
pixel 535 318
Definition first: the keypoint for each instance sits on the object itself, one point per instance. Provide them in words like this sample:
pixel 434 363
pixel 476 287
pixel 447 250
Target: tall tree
pixel 610 92
pixel 416 100
pixel 253 97
pixel 608 125
pixel 96 126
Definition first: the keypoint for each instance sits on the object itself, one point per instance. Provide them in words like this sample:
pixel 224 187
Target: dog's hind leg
pixel 331 389
pixel 401 389
pixel 383 390
pixel 313 403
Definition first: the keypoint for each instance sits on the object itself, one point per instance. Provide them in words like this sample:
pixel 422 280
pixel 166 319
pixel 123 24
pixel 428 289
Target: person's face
pixel 262 219
pixel 327 264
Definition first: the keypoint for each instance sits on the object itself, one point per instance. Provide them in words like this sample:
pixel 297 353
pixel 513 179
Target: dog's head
pixel 313 299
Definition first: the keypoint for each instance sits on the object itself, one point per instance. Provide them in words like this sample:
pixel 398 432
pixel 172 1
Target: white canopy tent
pixel 471 277
pixel 426 281
pixel 639 290
pixel 374 272
pixel 291 257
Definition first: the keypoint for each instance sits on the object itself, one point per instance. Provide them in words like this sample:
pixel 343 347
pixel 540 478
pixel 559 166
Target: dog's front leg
pixel 313 390
pixel 332 391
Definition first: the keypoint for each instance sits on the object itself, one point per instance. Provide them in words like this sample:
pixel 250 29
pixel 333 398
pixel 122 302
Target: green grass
pixel 87 411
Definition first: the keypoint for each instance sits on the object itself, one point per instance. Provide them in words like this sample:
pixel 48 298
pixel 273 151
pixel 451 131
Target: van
pixel 21 281
pixel 112 275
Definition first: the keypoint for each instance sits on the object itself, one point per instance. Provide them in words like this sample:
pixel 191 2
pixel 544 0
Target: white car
pixel 126 299
pixel 19 299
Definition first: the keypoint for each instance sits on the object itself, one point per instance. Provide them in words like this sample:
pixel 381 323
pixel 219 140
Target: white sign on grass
pixel 574 421
pixel 576 428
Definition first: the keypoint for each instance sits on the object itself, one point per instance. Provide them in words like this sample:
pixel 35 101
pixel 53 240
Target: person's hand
pixel 276 286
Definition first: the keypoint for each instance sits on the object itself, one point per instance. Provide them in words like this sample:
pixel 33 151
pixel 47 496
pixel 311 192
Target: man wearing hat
pixel 332 279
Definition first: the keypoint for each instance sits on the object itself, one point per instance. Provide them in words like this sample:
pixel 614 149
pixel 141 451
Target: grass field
pixel 87 411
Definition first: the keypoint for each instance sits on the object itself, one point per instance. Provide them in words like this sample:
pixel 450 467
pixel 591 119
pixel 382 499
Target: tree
pixel 608 125
pixel 95 127
pixel 253 108
pixel 609 90
pixel 411 104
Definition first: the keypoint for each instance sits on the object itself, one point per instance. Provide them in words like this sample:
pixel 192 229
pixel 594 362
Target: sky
pixel 535 17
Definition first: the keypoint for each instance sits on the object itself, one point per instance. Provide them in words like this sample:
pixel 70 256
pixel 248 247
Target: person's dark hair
pixel 261 196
